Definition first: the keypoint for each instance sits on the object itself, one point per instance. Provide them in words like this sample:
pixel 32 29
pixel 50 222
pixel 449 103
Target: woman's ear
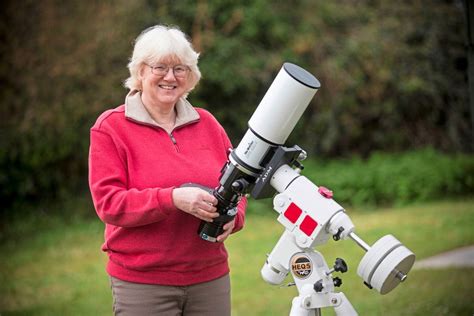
pixel 141 72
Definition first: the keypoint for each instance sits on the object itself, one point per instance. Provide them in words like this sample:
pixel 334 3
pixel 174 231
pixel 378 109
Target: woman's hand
pixel 228 227
pixel 196 202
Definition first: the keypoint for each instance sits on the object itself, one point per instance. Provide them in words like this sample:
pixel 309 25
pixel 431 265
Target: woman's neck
pixel 165 116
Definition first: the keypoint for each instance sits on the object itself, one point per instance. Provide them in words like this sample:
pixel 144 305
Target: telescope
pixel 262 167
pixel 269 127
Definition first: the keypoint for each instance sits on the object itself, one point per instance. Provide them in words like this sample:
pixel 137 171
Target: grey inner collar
pixel 136 111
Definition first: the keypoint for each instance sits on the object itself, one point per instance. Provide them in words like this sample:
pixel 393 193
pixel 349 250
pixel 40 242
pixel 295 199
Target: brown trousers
pixel 204 299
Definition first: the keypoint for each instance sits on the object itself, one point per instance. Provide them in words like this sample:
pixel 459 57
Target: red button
pixel 308 225
pixel 325 192
pixel 293 212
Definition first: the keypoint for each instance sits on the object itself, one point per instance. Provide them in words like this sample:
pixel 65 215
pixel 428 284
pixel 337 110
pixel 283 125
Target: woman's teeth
pixel 167 87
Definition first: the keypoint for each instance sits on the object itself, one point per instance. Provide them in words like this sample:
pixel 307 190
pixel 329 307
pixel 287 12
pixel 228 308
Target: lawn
pixel 52 265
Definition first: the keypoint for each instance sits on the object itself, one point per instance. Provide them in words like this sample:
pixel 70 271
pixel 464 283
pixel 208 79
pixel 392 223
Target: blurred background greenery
pixel 393 75
pixel 390 126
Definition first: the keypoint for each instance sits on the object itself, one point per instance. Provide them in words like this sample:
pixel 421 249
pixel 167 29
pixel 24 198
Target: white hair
pixel 157 43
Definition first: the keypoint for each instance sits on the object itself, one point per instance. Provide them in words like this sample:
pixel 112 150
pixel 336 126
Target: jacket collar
pixel 136 111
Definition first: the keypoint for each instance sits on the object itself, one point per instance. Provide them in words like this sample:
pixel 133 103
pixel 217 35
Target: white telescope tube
pixel 284 103
pixel 277 114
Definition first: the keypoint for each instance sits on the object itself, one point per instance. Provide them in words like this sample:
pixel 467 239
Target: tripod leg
pixel 345 307
pixel 298 310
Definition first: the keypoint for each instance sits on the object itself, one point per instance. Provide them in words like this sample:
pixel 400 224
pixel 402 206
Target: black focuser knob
pixel 340 265
pixel 337 282
pixel 318 286
pixel 240 185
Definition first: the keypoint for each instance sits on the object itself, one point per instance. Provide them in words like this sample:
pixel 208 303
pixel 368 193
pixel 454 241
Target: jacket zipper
pixel 174 141
pixel 176 127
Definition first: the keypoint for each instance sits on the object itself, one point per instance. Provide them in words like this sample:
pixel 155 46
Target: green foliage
pixel 395 178
pixel 393 76
pixel 58 79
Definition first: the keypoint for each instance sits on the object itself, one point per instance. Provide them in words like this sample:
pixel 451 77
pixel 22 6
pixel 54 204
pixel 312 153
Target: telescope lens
pixel 301 75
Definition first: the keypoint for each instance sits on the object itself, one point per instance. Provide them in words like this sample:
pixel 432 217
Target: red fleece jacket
pixel 133 168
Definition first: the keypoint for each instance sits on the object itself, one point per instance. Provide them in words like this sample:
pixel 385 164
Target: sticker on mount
pixel 301 266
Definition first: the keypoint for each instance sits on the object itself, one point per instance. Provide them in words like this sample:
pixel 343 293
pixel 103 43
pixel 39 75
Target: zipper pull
pixel 172 138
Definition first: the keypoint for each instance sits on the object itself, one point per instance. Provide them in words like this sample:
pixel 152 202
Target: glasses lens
pixel 159 69
pixel 180 70
pixel 162 70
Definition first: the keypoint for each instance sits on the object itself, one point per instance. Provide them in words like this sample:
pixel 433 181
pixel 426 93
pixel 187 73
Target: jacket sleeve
pixel 115 203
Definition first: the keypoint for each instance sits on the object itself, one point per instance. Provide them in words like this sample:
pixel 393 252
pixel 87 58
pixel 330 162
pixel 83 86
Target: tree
pixel 393 75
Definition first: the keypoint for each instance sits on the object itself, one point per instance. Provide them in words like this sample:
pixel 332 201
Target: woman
pixel 140 154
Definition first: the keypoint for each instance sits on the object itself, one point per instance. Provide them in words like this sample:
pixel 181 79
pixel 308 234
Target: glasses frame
pixel 163 72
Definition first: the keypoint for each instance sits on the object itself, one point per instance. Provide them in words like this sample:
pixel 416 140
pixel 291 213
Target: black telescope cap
pixel 301 75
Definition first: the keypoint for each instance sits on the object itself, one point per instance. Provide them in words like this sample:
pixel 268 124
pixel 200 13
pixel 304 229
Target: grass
pixel 52 265
pixel 426 229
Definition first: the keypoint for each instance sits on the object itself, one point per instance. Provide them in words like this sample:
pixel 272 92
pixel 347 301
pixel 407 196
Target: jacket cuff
pixel 165 200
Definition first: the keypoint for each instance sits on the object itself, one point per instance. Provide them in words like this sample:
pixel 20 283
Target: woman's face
pixel 162 88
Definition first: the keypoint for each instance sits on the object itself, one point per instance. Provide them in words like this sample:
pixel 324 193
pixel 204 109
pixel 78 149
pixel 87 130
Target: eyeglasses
pixel 179 71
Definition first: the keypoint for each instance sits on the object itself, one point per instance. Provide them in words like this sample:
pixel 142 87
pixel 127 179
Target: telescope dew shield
pixel 277 114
